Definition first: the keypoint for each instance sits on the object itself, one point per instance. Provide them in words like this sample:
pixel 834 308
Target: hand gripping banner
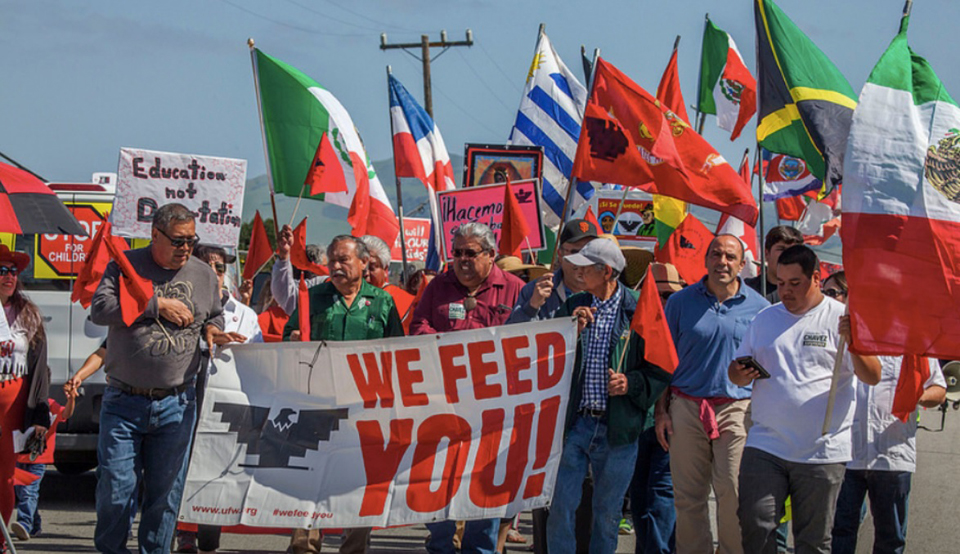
pixel 378 433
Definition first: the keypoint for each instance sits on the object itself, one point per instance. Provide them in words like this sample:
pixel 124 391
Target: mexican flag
pixel 901 200
pixel 727 89
pixel 296 113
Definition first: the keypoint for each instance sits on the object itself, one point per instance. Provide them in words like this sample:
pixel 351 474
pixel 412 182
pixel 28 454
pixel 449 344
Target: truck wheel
pixel 75 468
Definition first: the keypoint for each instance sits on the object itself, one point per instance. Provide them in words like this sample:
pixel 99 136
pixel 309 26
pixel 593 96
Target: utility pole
pixel 425 45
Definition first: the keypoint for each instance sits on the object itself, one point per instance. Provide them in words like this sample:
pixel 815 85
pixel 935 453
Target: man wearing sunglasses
pixel 539 299
pixel 149 406
pixel 476 294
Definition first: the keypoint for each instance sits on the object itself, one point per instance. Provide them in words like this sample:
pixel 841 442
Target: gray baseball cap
pixel 600 251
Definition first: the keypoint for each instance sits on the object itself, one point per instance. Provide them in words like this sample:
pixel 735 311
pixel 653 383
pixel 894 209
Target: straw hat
pixel 667 277
pixel 19 259
pixel 637 261
pixel 514 265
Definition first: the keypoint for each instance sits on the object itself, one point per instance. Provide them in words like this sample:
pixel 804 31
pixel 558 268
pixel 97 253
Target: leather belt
pixel 588 412
pixel 153 394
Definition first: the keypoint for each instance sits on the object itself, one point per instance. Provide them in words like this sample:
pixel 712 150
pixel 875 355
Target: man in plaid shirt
pixel 609 401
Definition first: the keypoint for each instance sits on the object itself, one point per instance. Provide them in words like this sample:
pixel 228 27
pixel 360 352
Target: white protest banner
pixel 398 431
pixel 211 187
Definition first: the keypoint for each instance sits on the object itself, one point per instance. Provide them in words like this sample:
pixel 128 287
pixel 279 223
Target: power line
pixel 380 24
pixel 484 82
pixel 295 27
pixel 500 69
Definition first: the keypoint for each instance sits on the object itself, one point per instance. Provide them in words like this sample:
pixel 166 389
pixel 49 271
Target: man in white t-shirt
pixel 786 455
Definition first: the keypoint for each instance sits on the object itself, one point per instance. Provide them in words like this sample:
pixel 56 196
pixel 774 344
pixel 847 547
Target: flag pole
pixel 701 117
pixel 761 231
pixel 572 183
pixel 834 381
pixel 297 205
pixel 396 177
pixel 263 135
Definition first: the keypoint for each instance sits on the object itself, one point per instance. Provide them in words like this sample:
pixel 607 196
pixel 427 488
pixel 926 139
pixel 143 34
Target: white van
pixel 71 336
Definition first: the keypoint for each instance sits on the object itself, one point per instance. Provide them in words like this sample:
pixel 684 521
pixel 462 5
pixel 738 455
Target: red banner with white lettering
pixel 464 425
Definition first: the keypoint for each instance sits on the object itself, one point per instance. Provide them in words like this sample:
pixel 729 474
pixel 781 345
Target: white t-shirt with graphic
pixel 788 409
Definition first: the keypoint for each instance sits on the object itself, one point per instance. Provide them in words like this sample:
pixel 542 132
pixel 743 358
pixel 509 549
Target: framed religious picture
pixel 486 164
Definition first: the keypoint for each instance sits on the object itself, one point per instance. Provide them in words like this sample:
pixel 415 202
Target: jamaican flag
pixel 806 104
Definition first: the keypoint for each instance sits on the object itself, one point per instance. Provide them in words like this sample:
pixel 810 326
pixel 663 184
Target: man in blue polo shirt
pixel 701 419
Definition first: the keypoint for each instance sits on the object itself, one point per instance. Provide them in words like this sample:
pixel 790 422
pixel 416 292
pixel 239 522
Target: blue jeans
pixel 889 493
pixel 651 497
pixel 479 537
pixel 27 497
pixel 586 444
pixel 141 440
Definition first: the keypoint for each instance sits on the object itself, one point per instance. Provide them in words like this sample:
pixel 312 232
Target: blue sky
pixel 83 79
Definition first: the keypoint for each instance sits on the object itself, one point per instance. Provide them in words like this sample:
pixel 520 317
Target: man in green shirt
pixel 345 307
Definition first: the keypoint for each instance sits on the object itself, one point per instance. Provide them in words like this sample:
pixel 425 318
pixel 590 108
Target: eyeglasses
pixel 180 242
pixel 12 271
pixel 834 293
pixel 466 253
pixel 220 268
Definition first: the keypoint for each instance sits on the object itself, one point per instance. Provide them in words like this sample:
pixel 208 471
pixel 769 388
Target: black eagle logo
pixel 607 141
pixel 276 440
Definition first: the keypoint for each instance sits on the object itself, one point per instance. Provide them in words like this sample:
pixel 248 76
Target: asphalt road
pixel 67 506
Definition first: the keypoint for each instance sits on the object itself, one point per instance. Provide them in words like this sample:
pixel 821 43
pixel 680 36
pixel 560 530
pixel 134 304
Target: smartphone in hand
pixel 748 361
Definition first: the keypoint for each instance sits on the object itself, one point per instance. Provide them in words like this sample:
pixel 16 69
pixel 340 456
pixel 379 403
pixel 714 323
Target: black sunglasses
pixel 466 253
pixel 180 242
pixel 220 268
pixel 834 293
pixel 4 270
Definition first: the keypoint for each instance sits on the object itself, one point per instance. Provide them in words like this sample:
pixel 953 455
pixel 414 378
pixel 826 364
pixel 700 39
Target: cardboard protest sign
pixel 484 204
pixel 211 187
pixel 417 233
pixel 463 425
pixel 635 223
pixel 62 256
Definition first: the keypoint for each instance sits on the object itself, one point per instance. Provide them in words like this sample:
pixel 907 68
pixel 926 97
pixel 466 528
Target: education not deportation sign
pixel 459 426
pixel 211 187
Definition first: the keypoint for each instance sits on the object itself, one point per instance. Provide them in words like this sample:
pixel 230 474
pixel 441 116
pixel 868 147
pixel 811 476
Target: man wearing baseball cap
pixel 540 298
pixel 608 402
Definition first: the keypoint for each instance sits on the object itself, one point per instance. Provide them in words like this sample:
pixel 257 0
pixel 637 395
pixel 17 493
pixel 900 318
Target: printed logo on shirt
pixel 815 339
pixel 456 311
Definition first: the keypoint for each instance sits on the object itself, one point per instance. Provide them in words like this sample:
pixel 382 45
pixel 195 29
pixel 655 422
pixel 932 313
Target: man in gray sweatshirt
pixel 149 407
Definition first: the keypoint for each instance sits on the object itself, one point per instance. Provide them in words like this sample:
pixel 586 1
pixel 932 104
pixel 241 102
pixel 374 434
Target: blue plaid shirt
pixel 596 356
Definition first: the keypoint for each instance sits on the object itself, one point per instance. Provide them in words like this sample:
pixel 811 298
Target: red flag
pixel 92 270
pixel 592 218
pixel 23 477
pixel 791 208
pixel 513 226
pixel 133 290
pixel 298 252
pixel 650 323
pixel 669 93
pixel 259 250
pixel 914 372
pixel 629 138
pixel 687 248
pixel 303 309
pixel 326 173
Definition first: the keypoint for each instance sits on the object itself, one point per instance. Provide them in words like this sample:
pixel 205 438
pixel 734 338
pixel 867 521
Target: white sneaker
pixel 19 531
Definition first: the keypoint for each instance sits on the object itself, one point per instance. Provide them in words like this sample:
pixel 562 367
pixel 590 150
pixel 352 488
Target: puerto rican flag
pixel 418 149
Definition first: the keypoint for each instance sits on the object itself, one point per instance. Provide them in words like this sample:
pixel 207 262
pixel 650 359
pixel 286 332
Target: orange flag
pixel 326 173
pixel 650 323
pixel 592 218
pixel 298 252
pixel 92 270
pixel 259 250
pixel 513 227
pixel 668 92
pixel 134 291
pixel 303 310
pixel 914 372
pixel 686 249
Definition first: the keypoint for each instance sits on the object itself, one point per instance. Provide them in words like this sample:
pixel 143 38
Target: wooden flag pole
pixel 834 381
pixel 263 135
pixel 623 352
pixel 396 176
pixel 297 205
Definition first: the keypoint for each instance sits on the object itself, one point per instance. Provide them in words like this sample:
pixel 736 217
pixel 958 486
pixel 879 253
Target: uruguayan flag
pixel 550 114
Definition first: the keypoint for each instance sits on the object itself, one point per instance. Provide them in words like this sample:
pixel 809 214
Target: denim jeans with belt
pixel 141 439
pixel 479 537
pixel 586 444
pixel 889 493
